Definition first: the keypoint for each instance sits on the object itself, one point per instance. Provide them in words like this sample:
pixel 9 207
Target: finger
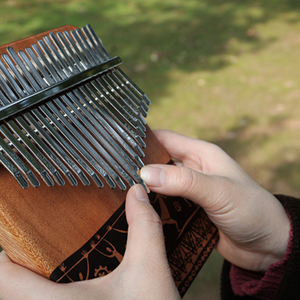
pixel 145 262
pixel 145 235
pixel 180 146
pixel 202 156
pixel 183 182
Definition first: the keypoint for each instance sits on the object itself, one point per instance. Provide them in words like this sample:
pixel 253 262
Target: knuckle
pixel 150 218
pixel 185 180
pixel 215 149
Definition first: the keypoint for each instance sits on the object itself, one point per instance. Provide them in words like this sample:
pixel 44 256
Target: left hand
pixel 144 272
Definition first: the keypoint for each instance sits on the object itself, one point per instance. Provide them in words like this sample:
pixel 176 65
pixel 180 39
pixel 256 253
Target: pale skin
pixel 253 226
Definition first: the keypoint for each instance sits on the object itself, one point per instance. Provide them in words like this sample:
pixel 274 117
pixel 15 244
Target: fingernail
pixel 153 176
pixel 140 193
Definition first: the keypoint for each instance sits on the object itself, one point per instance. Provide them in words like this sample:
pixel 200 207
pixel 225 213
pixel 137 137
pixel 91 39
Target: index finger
pixel 180 147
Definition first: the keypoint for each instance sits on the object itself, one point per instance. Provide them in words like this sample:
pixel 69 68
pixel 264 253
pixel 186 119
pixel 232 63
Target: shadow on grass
pixel 153 37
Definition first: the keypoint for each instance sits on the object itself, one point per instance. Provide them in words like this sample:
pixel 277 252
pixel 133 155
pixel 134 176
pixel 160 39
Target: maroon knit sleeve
pixel 289 285
pixel 257 284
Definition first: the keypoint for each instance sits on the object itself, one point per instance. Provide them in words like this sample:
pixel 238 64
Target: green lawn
pixel 224 71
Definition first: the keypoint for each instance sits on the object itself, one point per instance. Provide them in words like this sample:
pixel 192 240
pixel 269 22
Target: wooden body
pixel 41 227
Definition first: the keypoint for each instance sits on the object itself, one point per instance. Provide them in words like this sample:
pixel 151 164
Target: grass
pixel 224 71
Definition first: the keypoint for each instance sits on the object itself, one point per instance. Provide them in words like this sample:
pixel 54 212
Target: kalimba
pixel 73 136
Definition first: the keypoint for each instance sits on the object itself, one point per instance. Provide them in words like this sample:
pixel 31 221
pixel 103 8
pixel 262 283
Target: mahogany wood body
pixel 41 227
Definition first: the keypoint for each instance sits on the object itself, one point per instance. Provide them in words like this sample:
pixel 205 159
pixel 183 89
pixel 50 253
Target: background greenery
pixel 226 71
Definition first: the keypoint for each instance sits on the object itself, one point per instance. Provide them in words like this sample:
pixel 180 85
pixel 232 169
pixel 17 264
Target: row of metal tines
pixel 94 130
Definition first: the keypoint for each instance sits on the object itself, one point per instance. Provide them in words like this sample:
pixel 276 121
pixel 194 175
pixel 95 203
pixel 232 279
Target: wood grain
pixel 41 227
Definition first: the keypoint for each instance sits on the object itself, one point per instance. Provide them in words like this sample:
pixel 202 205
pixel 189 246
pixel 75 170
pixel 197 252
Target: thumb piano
pixel 72 138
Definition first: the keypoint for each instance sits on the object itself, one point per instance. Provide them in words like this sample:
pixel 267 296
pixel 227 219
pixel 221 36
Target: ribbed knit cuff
pixel 257 284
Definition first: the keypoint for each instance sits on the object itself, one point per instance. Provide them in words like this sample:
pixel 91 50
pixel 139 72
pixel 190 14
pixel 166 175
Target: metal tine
pixel 44 59
pixel 35 137
pixel 30 159
pixel 52 60
pixel 127 101
pixel 72 56
pixel 51 142
pixel 87 139
pixel 53 69
pixel 39 169
pixel 133 95
pixel 33 70
pixel 10 94
pixel 101 115
pixel 105 129
pixel 101 51
pixel 134 86
pixel 66 158
pixel 50 80
pixel 97 40
pixel 97 130
pixel 99 169
pixel 47 150
pixel 66 146
pixel 90 39
pixel 82 48
pixel 87 49
pixel 57 70
pixel 77 146
pixel 26 73
pixel 47 78
pixel 14 171
pixel 106 102
pixel 63 73
pixel 36 152
pixel 138 125
pixel 110 115
pixel 83 60
pixel 65 57
pixel 87 154
pixel 116 101
pixel 93 53
pixel 94 57
pixel 85 127
pixel 3 99
pixel 19 163
pixel 13 84
pixel 55 54
pixel 28 90
pixel 118 70
pixel 114 105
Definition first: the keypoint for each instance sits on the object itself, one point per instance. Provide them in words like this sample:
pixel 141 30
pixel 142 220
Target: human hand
pixel 144 272
pixel 253 226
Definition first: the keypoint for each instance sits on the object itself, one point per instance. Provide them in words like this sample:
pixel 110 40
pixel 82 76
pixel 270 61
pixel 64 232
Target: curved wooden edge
pixel 27 42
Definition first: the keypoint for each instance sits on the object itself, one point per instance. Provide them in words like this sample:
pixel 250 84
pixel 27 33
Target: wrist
pixel 279 240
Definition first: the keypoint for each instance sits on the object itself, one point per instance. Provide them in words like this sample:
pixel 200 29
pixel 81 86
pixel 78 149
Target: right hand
pixel 253 225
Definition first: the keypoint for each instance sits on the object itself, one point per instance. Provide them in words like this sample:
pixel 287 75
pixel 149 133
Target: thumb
pixel 183 182
pixel 145 234
pixel 145 261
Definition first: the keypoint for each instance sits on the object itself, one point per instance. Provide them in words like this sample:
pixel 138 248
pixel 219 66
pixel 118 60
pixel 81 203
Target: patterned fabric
pixel 189 235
